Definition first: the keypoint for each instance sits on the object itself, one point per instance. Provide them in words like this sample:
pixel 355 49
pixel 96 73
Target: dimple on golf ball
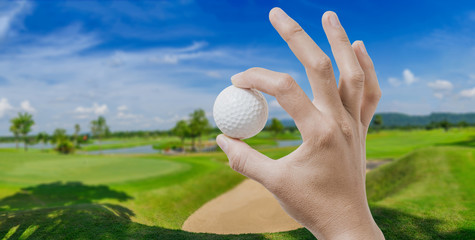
pixel 240 113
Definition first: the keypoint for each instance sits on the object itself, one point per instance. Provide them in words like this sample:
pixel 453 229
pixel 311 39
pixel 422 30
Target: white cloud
pixel 409 77
pixel 439 95
pixel 172 59
pixel 468 93
pixel 116 60
pixel 172 119
pixel 122 115
pixel 26 106
pixel 394 81
pixel 195 46
pixel 64 42
pixel 122 108
pixel 213 74
pixel 5 107
pixel 441 85
pixel 95 108
pixel 7 17
pixel 62 78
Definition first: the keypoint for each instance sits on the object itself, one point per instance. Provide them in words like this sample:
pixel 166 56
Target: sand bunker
pixel 247 208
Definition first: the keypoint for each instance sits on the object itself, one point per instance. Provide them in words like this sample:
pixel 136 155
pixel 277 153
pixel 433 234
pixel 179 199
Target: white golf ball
pixel 240 113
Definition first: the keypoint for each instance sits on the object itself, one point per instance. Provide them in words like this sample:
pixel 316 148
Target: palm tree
pixel 15 129
pixel 21 125
pixel 99 128
pixel 77 129
pixel 42 137
pixel 26 122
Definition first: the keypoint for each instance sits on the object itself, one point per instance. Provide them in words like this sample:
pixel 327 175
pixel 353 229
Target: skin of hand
pixel 322 183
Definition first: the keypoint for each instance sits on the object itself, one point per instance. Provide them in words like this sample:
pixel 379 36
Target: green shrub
pixel 65 147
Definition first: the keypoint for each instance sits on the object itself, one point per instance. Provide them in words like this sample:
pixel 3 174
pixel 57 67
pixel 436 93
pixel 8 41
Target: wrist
pixel 349 224
pixel 367 231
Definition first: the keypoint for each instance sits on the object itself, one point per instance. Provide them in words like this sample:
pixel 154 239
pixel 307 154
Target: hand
pixel 322 183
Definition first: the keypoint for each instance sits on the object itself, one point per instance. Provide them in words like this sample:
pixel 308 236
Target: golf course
pixel 425 191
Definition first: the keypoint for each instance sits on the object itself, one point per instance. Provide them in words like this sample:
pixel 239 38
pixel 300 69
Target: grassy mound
pixel 429 194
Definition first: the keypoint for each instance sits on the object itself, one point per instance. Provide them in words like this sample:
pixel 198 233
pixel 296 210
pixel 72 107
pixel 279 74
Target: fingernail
pixel 236 76
pixel 280 14
pixel 334 20
pixel 222 142
pixel 362 47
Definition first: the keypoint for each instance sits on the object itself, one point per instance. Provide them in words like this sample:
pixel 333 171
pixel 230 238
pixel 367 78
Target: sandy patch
pixel 247 208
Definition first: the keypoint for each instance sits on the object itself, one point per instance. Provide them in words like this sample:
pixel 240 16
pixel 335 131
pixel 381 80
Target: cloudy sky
pixel 145 65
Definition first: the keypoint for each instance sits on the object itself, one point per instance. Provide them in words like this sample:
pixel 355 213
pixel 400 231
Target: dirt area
pixel 247 208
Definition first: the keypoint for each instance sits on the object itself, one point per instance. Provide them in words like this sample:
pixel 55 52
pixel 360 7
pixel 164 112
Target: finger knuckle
pixel 326 136
pixel 346 129
pixel 284 83
pixel 356 76
pixel 238 162
pixel 293 32
pixel 342 37
pixel 322 64
pixel 374 96
pixel 252 70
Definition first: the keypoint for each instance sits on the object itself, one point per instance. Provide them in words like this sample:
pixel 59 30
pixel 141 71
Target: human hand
pixel 322 183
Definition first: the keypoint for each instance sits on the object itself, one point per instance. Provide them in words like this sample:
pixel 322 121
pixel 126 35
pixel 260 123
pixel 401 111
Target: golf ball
pixel 240 113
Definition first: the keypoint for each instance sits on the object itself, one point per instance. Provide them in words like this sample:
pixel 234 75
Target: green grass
pixel 426 193
pixel 263 139
pixel 87 169
pixel 397 143
pixel 127 143
pixel 429 194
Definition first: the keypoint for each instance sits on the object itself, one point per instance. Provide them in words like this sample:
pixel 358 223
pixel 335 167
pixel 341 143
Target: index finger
pixel 316 62
pixel 286 91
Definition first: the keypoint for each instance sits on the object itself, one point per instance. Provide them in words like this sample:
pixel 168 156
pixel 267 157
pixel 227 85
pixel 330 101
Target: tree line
pixel 22 125
pixel 378 124
pixel 194 128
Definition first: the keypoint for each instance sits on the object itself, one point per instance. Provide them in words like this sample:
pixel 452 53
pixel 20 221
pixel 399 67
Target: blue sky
pixel 147 64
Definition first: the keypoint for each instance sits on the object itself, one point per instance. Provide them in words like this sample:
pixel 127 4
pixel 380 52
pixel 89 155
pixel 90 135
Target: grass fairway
pixel 425 194
pixel 397 143
pixel 428 194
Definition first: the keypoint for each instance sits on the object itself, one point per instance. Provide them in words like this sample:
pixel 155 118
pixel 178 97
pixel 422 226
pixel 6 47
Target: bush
pixel 65 147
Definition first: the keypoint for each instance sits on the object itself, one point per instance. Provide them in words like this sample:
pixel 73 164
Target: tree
pixel 378 122
pixel 276 126
pixel 15 129
pixel 181 130
pixel 445 125
pixel 63 144
pixel 199 125
pixel 77 129
pixel 59 135
pixel 99 129
pixel 21 125
pixel 42 137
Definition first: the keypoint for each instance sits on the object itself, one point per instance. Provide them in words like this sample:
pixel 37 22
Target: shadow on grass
pixel 71 211
pixel 400 225
pixel 470 142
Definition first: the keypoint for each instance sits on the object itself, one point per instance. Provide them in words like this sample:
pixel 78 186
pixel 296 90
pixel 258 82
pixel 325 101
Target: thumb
pixel 245 160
